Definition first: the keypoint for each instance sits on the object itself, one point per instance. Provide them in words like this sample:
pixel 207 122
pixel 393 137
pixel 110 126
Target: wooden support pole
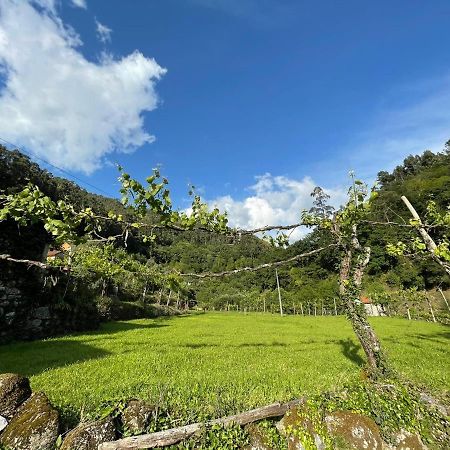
pixel 175 435
pixel 443 296
pixel 431 308
pixel 427 239
pixel 279 293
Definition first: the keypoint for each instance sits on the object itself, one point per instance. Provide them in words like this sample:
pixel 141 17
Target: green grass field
pixel 207 365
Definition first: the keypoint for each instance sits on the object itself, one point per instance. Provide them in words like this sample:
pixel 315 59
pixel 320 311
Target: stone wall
pixel 32 306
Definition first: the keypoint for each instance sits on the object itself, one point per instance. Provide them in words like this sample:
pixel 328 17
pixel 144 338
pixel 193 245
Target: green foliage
pixel 394 406
pixel 59 218
pixel 217 437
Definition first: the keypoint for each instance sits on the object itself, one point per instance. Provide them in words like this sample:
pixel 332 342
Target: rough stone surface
pixel 136 416
pixel 425 398
pixel 353 431
pixel 34 426
pixel 408 441
pixel 14 390
pixel 43 313
pixel 27 303
pixel 257 439
pixel 88 436
pixel 294 421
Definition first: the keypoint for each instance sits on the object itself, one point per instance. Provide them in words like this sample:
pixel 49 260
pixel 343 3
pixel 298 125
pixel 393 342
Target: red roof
pixel 365 300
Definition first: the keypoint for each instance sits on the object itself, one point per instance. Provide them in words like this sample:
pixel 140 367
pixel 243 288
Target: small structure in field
pixel 371 308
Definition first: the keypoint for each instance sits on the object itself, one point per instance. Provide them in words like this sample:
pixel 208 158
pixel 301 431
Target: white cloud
pixel 63 107
pixel 103 32
pixel 79 3
pixel 275 200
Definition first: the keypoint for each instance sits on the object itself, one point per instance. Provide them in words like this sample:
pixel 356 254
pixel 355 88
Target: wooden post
pixel 279 292
pixel 427 239
pixel 160 295
pixel 431 308
pixel 443 296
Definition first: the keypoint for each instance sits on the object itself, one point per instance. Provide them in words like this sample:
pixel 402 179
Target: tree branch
pixel 31 263
pixel 256 268
pixel 270 228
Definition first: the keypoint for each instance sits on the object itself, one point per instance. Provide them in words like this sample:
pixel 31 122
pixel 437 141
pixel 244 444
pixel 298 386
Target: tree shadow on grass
pixel 421 339
pixel 33 358
pixel 262 344
pixel 351 351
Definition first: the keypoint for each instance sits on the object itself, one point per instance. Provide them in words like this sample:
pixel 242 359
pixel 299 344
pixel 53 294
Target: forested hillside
pixel 310 284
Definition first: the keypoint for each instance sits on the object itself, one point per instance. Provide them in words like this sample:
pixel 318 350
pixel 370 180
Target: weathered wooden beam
pixel 175 435
pixel 426 238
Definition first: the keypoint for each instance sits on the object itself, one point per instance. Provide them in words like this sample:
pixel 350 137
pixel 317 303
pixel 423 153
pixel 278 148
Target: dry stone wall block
pixel 34 426
pixel 14 390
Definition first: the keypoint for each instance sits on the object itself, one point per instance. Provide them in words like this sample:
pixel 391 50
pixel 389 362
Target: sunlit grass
pixel 212 364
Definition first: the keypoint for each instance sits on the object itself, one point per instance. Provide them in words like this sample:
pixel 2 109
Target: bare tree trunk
pixel 350 289
pixel 301 307
pixel 427 239
pixel 168 299
pixel 335 308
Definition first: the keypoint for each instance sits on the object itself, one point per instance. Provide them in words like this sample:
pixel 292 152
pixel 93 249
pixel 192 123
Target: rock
pixel 353 431
pixel 425 398
pixel 14 390
pixel 405 440
pixel 3 423
pixel 136 416
pixel 88 436
pixel 257 439
pixel 9 317
pixel 297 425
pixel 34 426
pixel 42 313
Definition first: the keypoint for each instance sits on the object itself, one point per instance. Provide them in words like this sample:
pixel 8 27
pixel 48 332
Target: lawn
pixel 206 365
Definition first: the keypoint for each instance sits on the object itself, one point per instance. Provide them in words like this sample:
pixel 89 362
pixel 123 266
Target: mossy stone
pixel 408 441
pixel 297 426
pixel 88 436
pixel 257 439
pixel 34 426
pixel 136 416
pixel 14 390
pixel 353 431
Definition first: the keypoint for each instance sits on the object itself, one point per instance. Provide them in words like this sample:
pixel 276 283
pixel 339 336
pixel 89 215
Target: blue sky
pixel 253 101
